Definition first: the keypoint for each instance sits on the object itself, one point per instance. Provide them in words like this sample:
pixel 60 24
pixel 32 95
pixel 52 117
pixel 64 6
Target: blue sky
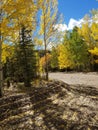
pixel 76 9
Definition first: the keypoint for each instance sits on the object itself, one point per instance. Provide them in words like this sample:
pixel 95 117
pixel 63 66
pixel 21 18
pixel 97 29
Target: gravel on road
pixel 89 79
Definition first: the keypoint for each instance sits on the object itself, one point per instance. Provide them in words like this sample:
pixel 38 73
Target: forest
pixel 32 46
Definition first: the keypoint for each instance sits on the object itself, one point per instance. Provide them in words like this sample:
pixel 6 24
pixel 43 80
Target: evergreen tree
pixel 79 50
pixel 25 58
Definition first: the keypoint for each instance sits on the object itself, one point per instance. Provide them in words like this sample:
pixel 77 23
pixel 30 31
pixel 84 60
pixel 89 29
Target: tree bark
pixel 46 65
pixel 45 44
pixel 1 74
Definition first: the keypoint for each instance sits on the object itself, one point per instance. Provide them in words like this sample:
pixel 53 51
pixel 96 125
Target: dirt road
pixel 76 78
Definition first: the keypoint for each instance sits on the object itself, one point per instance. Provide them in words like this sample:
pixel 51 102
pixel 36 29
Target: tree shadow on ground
pixel 45 108
pixel 49 107
pixel 47 114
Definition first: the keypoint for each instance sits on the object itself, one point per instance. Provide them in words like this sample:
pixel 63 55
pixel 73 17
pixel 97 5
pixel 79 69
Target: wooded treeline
pixel 29 48
pixel 78 48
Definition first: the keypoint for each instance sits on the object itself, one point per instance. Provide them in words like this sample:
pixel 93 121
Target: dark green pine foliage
pixel 54 59
pixel 25 58
pixel 79 50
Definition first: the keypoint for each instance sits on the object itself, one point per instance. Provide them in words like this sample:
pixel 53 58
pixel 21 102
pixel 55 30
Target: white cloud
pixel 61 27
pixel 73 23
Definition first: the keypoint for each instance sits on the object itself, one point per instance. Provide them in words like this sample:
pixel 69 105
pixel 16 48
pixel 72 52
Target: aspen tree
pixel 49 19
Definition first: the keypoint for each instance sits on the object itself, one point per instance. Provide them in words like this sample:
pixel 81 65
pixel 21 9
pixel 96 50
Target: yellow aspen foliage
pixel 42 62
pixel 7 52
pixel 16 14
pixel 94 52
pixel 64 60
pixel 49 19
pixel 94 30
pixel 85 32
